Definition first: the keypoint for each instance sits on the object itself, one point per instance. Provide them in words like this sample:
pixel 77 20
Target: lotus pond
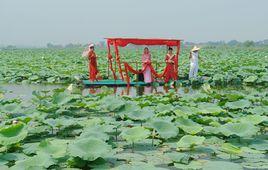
pixel 216 126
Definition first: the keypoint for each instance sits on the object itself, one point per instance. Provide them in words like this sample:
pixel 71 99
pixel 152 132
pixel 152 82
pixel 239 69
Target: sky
pixel 38 22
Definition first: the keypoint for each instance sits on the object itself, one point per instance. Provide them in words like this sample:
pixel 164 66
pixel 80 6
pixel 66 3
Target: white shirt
pixel 194 58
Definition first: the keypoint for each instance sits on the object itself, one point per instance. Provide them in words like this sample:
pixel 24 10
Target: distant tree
pixel 233 43
pixel 249 43
pixel 10 47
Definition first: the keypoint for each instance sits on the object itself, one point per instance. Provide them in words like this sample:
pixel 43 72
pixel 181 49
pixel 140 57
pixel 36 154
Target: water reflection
pixel 137 90
pixel 24 91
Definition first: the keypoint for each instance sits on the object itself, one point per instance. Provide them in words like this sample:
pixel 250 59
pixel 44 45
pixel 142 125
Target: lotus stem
pixel 116 134
pixel 132 147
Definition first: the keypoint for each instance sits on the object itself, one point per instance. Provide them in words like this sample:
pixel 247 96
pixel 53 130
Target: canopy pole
pixel 177 60
pixel 110 57
pixel 118 61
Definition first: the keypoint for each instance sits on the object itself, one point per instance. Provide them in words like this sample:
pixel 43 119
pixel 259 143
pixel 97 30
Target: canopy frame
pixel 123 42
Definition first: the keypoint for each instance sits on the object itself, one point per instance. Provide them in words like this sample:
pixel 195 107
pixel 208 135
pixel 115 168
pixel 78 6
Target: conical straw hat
pixel 195 48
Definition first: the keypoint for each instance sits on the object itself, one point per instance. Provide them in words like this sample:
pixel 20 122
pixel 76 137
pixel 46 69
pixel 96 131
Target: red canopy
pixel 122 42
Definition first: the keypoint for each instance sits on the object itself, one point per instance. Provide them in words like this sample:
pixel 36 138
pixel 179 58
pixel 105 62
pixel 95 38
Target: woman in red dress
pixel 170 61
pixel 92 66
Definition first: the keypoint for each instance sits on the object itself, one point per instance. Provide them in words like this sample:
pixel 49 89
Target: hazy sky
pixel 37 22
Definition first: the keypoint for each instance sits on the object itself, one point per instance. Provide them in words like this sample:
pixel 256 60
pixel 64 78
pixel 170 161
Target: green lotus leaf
pixel 240 104
pixel 211 130
pixel 135 134
pixel 8 157
pixel 185 111
pixel 137 165
pixel 112 103
pixel 129 106
pixel 254 119
pixel 234 96
pixel 164 108
pixel 89 148
pixel 239 129
pixel 230 149
pixel 214 141
pixel 165 129
pixel 259 144
pixel 196 97
pixel 39 161
pixel 56 148
pixel 221 165
pixel 256 164
pixel 61 98
pixel 95 132
pixel 260 110
pixel 179 157
pixel 188 126
pixel 11 108
pixel 1 95
pixel 12 134
pixel 3 167
pixel 140 114
pixel 250 79
pixel 30 148
pixel 193 165
pixel 189 141
pixel 209 108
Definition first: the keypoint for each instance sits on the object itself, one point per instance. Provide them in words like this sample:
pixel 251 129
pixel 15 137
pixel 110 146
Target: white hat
pixel 91 45
pixel 195 48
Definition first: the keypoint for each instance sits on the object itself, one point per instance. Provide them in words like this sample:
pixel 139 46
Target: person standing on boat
pixel 92 66
pixel 170 66
pixel 146 59
pixel 194 62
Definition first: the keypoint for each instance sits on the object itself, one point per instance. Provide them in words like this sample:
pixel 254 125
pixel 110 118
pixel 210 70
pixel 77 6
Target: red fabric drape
pixel 122 42
pixel 154 73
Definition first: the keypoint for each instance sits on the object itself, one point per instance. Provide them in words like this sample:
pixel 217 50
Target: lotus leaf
pixel 165 129
pixel 61 98
pixel 137 165
pixel 39 161
pixel 135 134
pixel 89 148
pixel 254 119
pixel 259 144
pixel 188 126
pixel 231 149
pixel 239 129
pixel 12 134
pixel 140 114
pixel 189 141
pixel 193 165
pixel 11 108
pixel 250 79
pixel 112 103
pixel 221 165
pixel 56 148
pixel 240 104
pixel 209 108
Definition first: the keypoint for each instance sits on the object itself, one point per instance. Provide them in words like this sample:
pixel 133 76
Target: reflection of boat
pixel 133 91
pixel 115 65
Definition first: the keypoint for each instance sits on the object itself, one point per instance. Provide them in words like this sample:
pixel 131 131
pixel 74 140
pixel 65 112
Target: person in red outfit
pixel 92 66
pixel 170 64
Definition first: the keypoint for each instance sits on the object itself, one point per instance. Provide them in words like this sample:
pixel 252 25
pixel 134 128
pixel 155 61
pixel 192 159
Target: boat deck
pixel 112 83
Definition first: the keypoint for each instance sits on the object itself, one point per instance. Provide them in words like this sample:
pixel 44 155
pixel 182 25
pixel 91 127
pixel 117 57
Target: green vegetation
pixel 209 128
pixel 220 65
pixel 205 129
